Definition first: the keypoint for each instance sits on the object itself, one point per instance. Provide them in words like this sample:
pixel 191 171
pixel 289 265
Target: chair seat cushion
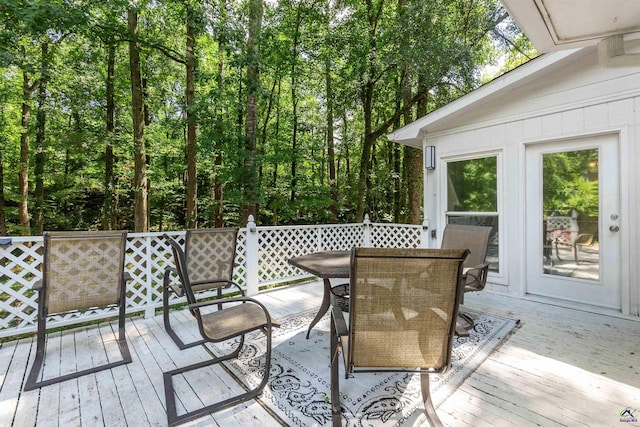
pixel 233 321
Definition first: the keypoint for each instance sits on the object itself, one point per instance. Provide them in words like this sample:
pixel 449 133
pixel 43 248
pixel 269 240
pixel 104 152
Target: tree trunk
pixel 140 202
pixel 251 122
pixel 365 158
pixel 3 217
pixel 23 176
pixel 373 17
pixel 109 217
pixel 294 106
pixel 218 190
pixel 41 121
pixel 414 169
pixel 192 184
pixel 331 158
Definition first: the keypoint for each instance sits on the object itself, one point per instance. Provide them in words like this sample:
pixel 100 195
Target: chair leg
pixel 430 410
pixel 167 322
pixel 335 380
pixel 172 415
pixel 32 380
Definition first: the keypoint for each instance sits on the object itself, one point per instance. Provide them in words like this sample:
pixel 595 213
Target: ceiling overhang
pixel 565 24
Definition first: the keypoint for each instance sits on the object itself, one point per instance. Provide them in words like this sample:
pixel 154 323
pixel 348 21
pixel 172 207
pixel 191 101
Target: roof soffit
pixel 561 24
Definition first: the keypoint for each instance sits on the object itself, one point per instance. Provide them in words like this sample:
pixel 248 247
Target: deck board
pixel 561 367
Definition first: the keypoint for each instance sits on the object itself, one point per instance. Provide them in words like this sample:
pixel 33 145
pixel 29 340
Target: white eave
pixel 566 24
pixel 413 133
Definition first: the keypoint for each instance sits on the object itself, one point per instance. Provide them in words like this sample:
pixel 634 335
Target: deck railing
pixel 262 254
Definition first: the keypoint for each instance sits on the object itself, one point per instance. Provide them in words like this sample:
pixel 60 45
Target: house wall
pixel 574 100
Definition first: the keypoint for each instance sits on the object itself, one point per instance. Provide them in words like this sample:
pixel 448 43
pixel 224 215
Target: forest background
pixel 156 115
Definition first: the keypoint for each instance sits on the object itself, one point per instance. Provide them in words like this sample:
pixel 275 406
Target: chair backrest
pixel 82 270
pixel 403 308
pixel 210 254
pixel 472 237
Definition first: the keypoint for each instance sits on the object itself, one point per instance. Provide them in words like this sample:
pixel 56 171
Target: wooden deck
pixel 562 367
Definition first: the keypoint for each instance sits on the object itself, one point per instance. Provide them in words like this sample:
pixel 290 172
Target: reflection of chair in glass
pixel 81 271
pixel 236 318
pixel 210 255
pixel 564 231
pixel 402 316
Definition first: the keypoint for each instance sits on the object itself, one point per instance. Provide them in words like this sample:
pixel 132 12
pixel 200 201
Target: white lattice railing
pixel 262 254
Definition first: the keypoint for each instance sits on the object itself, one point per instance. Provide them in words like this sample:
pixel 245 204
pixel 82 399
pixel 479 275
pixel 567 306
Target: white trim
pixel 501 276
pixel 503 120
pixel 551 145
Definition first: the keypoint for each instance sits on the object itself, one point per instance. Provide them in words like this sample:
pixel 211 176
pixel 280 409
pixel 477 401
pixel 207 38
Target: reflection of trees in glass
pixel 571 182
pixel 473 185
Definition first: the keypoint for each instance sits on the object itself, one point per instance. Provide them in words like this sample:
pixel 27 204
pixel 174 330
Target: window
pixel 472 198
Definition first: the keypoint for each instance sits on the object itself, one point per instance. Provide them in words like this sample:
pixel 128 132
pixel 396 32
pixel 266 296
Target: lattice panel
pixel 20 266
pixel 342 238
pixel 395 236
pixel 278 244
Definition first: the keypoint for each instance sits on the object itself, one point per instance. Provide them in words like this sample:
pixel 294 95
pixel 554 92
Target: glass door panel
pixel 570 193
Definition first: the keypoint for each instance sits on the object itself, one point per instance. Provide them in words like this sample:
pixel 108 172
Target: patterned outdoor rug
pixel 299 387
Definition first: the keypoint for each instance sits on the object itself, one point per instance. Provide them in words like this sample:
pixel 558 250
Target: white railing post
pixel 424 234
pixel 149 310
pixel 367 231
pixel 252 259
pixel 319 240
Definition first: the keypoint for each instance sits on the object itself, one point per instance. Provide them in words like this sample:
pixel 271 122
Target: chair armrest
pixel 37 286
pixel 201 304
pixel 475 278
pixel 340 322
pixel 166 281
pixel 230 283
pixel 584 239
pixel 269 322
pixel 127 276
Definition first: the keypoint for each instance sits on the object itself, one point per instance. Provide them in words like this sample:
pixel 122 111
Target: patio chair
pixel 402 316
pixel 82 271
pixel 475 269
pixel 210 255
pixel 237 317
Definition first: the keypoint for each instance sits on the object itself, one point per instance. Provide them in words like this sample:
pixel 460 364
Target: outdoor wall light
pixel 430 157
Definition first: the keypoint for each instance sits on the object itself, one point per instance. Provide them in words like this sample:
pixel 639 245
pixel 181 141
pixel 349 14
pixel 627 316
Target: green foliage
pixel 428 46
pixel 571 183
pixel 473 185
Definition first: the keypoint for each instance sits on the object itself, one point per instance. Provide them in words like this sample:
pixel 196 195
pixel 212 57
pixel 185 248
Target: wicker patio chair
pixel 82 271
pixel 210 255
pixel 475 269
pixel 402 316
pixel 236 317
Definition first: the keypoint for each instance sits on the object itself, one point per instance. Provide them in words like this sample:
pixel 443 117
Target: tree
pixel 190 65
pixel 140 165
pixel 251 124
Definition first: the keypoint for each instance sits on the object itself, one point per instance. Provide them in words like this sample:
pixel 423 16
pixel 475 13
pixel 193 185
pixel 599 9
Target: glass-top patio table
pixel 326 265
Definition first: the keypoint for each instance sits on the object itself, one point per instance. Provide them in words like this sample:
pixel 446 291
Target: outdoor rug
pixel 298 391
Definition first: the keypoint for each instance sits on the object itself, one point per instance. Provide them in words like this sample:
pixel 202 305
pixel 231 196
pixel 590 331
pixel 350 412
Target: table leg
pixel 324 306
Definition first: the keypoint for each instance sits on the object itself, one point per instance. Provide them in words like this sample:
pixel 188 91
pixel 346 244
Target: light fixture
pixel 430 157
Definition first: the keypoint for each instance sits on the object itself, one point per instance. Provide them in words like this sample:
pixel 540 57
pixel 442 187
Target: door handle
pixel 614 228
